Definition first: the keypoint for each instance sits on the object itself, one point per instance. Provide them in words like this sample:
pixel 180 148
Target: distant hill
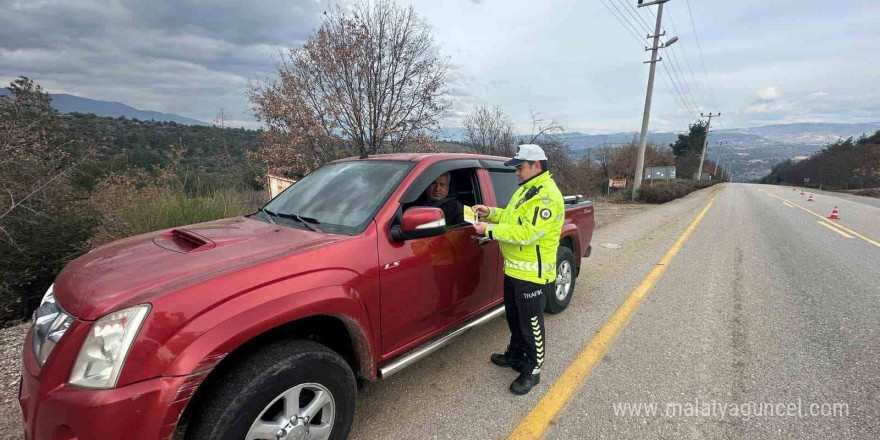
pixel 215 157
pixel 816 134
pixel 65 103
pixel 811 133
pixel 754 150
pixel 767 135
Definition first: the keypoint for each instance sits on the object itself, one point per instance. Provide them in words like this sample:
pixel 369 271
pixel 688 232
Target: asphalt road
pixel 762 307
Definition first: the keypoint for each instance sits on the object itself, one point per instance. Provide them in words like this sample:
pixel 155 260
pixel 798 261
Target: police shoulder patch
pixel 545 213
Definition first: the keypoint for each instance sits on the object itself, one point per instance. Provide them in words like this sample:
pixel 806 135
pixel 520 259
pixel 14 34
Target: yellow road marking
pixel 788 204
pixel 535 423
pixel 850 231
pixel 834 229
pixel 834 225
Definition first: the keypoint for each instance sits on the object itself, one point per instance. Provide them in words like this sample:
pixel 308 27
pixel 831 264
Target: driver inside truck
pixel 437 196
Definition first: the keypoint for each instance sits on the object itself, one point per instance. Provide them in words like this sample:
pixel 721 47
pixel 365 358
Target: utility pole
pixel 699 175
pixel 643 140
pixel 729 164
pixel 720 155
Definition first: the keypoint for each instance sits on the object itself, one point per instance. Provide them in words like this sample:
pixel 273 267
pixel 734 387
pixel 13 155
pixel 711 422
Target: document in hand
pixel 469 215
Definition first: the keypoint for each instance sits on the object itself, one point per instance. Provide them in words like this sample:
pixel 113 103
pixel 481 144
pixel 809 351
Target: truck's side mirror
pixel 419 222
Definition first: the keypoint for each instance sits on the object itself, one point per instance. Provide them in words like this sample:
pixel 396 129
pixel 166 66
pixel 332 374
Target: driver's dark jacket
pixel 451 207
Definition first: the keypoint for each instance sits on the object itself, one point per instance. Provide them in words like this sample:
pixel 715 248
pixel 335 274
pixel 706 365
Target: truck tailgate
pixel 581 216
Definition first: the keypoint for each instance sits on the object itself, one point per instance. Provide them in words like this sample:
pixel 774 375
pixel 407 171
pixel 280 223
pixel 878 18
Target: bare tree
pixel 489 130
pixel 606 156
pixel 371 77
pixel 296 139
pixel 541 128
pixel 620 161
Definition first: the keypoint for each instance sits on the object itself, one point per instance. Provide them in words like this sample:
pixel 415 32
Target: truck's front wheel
pixel 287 390
pixel 565 276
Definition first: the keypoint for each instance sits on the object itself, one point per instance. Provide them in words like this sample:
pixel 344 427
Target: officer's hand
pixel 481 227
pixel 481 210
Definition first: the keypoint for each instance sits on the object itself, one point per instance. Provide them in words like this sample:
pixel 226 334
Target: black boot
pixel 524 383
pixel 507 360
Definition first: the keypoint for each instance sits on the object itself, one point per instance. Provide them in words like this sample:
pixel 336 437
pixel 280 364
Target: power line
pixel 700 48
pixel 628 28
pixel 652 14
pixel 675 65
pixel 677 69
pixel 687 61
pixel 682 104
pixel 633 30
pixel 638 17
pixel 679 92
pixel 679 89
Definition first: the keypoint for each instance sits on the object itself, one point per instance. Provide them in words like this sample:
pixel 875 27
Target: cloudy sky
pixel 576 61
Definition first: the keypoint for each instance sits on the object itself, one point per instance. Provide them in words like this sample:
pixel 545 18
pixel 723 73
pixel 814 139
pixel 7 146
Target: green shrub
pixel 43 221
pixel 36 245
pixel 662 192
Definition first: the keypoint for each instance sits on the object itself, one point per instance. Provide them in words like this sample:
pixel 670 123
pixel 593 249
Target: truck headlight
pixel 103 353
pixel 50 323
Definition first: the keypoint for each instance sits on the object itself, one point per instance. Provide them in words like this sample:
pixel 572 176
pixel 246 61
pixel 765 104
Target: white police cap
pixel 527 152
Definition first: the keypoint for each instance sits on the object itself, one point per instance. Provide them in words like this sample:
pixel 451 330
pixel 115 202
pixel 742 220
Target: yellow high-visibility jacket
pixel 528 229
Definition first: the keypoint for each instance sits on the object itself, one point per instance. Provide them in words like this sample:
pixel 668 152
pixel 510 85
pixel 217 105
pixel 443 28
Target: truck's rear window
pixel 343 197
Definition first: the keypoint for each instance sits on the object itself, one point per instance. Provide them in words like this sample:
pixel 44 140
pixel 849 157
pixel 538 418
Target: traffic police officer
pixel 528 231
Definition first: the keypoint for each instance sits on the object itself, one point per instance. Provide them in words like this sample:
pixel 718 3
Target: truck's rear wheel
pixel 565 276
pixel 287 390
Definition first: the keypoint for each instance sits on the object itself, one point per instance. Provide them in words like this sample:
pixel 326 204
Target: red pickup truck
pixel 260 326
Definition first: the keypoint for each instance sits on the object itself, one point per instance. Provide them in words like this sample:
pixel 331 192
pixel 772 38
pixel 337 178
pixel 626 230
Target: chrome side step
pixel 436 344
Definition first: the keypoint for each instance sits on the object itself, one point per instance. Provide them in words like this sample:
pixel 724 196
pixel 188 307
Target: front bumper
pixel 52 410
pixel 137 411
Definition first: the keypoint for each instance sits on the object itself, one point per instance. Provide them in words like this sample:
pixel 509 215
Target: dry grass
pixel 608 211
pixel 126 212
pixel 870 192
pixel 176 208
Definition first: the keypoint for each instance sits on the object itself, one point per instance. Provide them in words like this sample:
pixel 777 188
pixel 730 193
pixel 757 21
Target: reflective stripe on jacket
pixel 528 229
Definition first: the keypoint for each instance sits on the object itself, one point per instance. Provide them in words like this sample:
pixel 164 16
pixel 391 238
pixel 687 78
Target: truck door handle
pixel 481 241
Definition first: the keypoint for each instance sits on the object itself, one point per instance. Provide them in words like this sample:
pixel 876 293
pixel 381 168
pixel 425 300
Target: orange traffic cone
pixel 833 215
pixel 810 199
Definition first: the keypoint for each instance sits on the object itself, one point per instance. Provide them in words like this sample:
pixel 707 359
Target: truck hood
pixel 138 269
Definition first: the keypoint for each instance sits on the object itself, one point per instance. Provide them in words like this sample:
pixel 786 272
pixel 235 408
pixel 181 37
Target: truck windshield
pixel 339 198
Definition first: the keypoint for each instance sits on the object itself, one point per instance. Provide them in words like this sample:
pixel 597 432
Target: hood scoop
pixel 183 241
